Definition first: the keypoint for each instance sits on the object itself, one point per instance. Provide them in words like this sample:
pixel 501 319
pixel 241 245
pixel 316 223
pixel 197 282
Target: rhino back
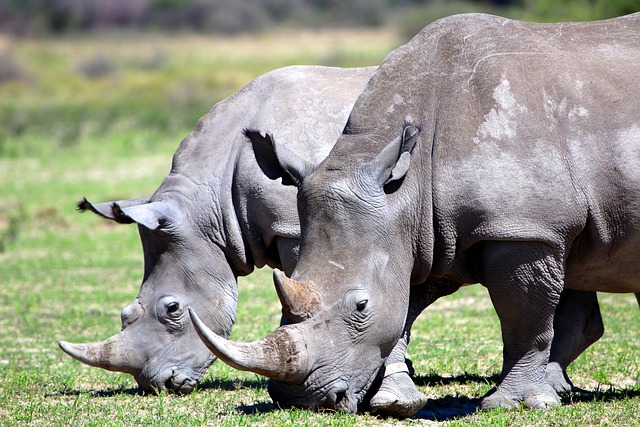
pixel 546 146
pixel 301 105
pixel 529 131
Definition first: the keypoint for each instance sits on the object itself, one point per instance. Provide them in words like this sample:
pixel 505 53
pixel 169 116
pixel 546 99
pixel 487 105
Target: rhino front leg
pixel 398 396
pixel 524 280
pixel 577 324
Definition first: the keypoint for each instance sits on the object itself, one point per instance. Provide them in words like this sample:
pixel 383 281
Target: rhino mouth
pixel 169 380
pixel 348 400
pixel 340 396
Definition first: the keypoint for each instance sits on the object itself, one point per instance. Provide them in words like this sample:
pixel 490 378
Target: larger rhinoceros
pixel 484 150
pixel 215 217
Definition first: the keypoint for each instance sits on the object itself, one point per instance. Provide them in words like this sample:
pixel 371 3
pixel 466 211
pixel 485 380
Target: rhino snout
pixel 181 383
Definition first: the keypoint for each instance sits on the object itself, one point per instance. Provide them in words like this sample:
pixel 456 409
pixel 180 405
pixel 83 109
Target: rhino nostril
pixel 187 386
pixel 180 383
pixel 345 400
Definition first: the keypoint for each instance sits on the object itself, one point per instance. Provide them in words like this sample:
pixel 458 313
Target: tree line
pixel 44 17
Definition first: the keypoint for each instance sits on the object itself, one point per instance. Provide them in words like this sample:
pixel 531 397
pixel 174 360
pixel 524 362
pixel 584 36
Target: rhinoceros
pixel 215 217
pixel 484 150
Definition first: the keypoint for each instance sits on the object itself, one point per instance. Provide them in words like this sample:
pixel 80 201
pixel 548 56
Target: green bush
pixel 413 20
pixel 575 10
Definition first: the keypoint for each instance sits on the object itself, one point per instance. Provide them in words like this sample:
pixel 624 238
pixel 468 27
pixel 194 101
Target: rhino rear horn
pixel 281 356
pixel 299 300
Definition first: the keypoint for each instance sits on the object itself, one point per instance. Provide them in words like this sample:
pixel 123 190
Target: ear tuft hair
pixel 83 205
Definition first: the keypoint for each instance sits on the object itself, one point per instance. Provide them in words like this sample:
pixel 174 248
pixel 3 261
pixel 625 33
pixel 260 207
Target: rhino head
pixel 158 344
pixel 355 272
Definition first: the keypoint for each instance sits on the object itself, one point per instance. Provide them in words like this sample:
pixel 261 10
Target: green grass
pixel 67 276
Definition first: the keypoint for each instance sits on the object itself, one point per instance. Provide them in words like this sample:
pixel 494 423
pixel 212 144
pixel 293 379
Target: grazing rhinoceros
pixel 214 218
pixel 517 166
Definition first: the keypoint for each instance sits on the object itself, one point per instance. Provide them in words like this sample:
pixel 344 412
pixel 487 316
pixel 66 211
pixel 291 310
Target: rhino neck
pixel 377 119
pixel 251 218
pixel 201 184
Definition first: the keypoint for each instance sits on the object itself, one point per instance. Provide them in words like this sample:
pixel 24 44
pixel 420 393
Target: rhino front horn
pixel 281 356
pixel 299 300
pixel 109 354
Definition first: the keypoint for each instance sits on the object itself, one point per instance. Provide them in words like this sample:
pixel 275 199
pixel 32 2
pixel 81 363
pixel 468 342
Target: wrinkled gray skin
pixel 485 150
pixel 215 217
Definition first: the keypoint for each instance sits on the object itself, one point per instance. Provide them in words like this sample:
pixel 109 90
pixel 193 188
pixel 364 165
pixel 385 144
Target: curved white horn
pixel 109 354
pixel 281 356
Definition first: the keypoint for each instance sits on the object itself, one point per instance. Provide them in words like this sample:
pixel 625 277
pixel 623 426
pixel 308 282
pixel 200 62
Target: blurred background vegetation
pixel 235 16
pixel 80 70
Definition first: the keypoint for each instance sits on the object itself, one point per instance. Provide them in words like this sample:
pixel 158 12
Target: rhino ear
pixel 152 215
pixel 277 161
pixel 110 210
pixel 393 161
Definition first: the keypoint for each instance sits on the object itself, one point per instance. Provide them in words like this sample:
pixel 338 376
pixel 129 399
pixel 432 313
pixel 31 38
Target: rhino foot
pixel 496 399
pixel 542 401
pixel 538 399
pixel 397 395
pixel 556 378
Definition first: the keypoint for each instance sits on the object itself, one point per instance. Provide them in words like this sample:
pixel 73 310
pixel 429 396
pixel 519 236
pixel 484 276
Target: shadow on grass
pixel 209 384
pixel 608 395
pixel 455 406
pixel 257 408
pixel 466 378
pixel 448 408
pixel 230 384
pixel 235 384
pixel 105 393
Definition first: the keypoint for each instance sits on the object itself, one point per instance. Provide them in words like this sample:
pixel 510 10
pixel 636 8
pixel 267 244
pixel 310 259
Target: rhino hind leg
pixel 577 324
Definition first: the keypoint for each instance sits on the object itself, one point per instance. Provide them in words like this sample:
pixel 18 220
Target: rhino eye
pixel 362 305
pixel 173 307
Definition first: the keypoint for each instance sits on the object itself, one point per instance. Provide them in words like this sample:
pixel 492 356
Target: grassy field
pixel 100 117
